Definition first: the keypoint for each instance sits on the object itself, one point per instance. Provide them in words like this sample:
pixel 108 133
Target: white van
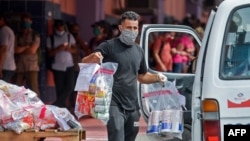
pixel 218 92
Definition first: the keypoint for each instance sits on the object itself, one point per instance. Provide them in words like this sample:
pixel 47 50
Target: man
pixel 7 42
pixel 27 45
pixel 61 45
pixel 123 124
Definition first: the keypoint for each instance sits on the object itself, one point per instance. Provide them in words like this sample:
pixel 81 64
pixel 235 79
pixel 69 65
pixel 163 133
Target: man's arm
pixel 32 49
pixel 72 49
pixel 158 45
pixel 148 78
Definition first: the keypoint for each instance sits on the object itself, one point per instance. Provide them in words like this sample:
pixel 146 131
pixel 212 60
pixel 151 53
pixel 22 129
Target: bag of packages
pixel 13 117
pixel 20 96
pixel 43 118
pixel 166 115
pixel 64 118
pixel 95 95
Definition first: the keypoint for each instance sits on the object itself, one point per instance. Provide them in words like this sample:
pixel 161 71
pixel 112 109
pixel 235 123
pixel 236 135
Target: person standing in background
pixel 102 31
pixel 82 48
pixel 61 46
pixel 27 45
pixel 82 51
pixel 7 45
pixel 162 52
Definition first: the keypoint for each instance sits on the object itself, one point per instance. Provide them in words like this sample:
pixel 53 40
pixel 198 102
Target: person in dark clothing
pixel 102 31
pixel 82 50
pixel 123 124
pixel 26 55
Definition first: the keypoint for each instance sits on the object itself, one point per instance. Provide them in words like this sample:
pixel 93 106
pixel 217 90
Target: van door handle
pixel 199 116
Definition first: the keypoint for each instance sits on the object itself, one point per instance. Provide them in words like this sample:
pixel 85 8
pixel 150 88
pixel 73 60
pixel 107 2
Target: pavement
pixel 96 130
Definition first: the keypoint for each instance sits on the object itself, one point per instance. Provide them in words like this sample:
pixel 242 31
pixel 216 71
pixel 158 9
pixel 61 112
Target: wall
pixel 67 6
pixel 176 8
pixel 93 11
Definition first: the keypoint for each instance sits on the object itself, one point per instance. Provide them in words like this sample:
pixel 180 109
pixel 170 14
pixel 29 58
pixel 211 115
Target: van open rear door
pixel 217 88
pixel 184 81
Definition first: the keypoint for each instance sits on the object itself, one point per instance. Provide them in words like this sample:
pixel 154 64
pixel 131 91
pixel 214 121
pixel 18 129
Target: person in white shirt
pixel 61 49
pixel 7 43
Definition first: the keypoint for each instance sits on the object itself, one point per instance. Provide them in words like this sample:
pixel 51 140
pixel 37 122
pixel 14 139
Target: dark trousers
pixel 72 99
pixel 177 67
pixel 123 125
pixel 64 83
pixel 31 80
pixel 7 75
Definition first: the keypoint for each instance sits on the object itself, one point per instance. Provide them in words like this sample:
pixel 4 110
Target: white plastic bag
pixel 13 117
pixel 166 116
pixel 96 100
pixel 64 118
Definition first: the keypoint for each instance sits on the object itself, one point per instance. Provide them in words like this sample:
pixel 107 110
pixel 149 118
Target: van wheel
pixel 186 135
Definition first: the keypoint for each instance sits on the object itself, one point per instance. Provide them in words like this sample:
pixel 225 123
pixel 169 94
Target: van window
pixel 235 63
pixel 174 52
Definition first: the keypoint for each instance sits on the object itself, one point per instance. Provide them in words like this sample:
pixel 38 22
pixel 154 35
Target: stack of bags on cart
pixel 21 109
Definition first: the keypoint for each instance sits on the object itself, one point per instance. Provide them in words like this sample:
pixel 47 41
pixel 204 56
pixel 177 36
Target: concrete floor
pixel 96 131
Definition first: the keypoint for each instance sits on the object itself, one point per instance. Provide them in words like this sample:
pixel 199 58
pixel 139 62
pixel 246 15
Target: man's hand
pixel 161 77
pixel 95 57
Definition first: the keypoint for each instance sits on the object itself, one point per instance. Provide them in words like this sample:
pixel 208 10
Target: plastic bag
pixel 21 96
pixel 13 117
pixel 96 100
pixel 27 100
pixel 166 116
pixel 43 118
pixel 11 89
pixel 64 118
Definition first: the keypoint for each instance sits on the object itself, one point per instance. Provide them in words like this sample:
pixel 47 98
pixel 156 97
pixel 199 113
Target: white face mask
pixel 60 33
pixel 128 37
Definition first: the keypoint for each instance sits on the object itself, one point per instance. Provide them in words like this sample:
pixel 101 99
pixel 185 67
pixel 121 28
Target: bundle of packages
pixel 166 115
pixel 21 109
pixel 12 116
pixel 94 87
pixel 43 118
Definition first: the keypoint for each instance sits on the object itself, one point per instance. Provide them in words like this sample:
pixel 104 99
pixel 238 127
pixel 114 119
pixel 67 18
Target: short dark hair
pixel 3 16
pixel 25 16
pixel 130 15
pixel 59 22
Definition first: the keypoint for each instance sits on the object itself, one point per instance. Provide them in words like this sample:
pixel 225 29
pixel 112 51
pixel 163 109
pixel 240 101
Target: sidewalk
pixel 96 130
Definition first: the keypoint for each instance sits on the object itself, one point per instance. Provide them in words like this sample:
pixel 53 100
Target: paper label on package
pixel 87 70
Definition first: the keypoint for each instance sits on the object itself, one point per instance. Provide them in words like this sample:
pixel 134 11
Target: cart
pixel 34 135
